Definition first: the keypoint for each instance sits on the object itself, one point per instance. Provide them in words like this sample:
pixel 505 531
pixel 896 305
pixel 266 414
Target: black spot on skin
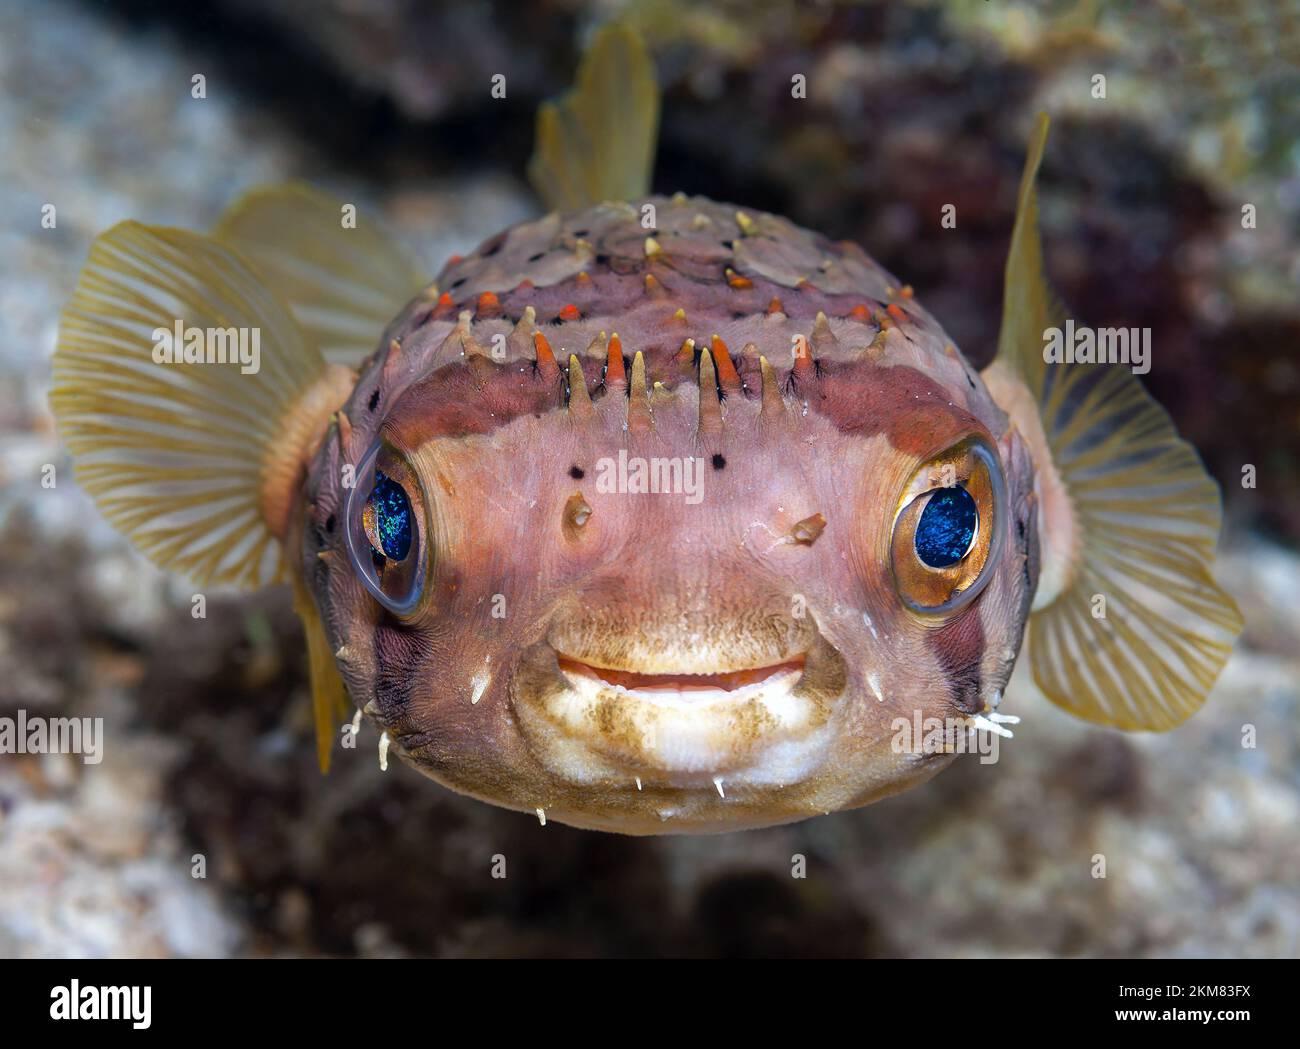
pixel 535 258
pixel 374 401
pixel 602 260
pixel 728 244
pixel 329 523
pixel 577 473
pixel 719 461
pixel 458 282
pixel 580 232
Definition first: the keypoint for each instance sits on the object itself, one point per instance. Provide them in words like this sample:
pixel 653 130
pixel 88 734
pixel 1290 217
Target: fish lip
pixel 736 684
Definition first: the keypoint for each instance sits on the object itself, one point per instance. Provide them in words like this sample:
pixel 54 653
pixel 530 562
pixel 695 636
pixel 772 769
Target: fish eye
pixel 386 530
pixel 948 529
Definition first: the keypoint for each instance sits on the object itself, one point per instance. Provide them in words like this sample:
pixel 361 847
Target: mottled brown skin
pixel 650 583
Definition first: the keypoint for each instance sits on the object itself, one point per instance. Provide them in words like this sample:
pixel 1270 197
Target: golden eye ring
pixel 948 529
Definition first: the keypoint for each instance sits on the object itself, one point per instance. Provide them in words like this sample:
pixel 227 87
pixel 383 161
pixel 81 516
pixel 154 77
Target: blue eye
pixel 947 527
pixel 387 518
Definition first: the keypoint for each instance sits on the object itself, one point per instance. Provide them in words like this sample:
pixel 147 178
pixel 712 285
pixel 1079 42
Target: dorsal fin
pixel 1129 627
pixel 597 142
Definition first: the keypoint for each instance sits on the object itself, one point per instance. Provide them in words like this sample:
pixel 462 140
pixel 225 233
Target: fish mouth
pixel 671 723
pixel 685 686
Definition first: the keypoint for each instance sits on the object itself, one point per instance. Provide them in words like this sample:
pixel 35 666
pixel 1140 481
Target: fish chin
pixel 768 725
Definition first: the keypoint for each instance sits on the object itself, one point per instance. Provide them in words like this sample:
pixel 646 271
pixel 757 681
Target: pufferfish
pixel 652 515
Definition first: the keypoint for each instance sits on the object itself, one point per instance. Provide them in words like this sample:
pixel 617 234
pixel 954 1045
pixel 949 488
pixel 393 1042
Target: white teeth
pixel 541 816
pixel 383 752
pixel 717 782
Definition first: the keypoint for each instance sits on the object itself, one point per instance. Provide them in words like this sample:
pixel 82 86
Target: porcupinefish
pixel 651 515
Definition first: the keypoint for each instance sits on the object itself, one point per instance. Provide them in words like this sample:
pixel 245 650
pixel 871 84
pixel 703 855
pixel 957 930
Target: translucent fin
pixel 178 456
pixel 344 284
pixel 329 700
pixel 1133 629
pixel 597 143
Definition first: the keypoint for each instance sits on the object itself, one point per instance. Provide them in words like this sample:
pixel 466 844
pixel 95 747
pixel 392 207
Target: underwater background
pixel 911 105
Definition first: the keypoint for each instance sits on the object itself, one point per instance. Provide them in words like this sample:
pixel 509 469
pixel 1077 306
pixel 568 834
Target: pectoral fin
pixel 341 276
pixel 191 401
pixel 1129 626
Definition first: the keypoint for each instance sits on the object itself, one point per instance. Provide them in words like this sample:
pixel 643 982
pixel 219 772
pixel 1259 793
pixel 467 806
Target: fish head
pixel 675 589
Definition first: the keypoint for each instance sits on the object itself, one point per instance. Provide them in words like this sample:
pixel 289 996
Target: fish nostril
pixel 577 512
pixel 805 532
